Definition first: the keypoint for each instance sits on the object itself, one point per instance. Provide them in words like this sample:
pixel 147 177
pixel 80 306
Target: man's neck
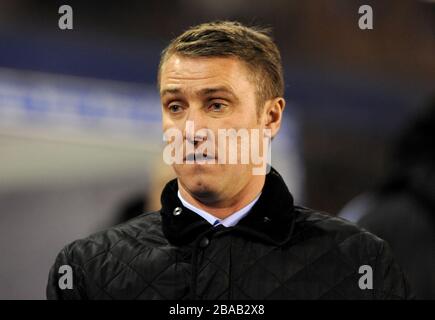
pixel 226 207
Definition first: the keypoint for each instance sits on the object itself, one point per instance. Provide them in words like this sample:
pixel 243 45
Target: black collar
pixel 270 219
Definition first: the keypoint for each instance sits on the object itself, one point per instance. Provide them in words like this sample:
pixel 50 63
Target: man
pixel 225 230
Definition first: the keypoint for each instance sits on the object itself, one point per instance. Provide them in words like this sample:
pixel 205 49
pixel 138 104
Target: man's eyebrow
pixel 170 91
pixel 202 92
pixel 223 89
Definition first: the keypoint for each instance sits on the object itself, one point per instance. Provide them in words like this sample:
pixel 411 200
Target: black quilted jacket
pixel 278 251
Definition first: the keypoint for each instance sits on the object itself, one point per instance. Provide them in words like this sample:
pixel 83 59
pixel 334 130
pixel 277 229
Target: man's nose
pixel 194 123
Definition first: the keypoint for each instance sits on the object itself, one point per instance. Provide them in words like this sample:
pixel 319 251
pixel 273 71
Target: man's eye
pixel 217 107
pixel 174 108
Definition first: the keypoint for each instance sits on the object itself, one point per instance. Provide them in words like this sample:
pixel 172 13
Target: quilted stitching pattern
pixel 134 261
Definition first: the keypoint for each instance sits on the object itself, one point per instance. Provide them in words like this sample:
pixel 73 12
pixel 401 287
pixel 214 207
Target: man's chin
pixel 202 188
pixel 199 179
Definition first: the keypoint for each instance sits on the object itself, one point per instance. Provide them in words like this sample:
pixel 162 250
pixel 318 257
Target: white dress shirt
pixel 229 221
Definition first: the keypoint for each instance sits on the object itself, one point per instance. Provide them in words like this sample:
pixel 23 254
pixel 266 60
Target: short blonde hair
pixel 252 45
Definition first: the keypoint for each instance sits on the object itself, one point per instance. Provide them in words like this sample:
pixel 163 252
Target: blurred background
pixel 80 132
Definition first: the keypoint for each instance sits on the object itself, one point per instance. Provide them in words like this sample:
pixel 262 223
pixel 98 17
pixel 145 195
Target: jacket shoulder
pixel 333 243
pixel 111 249
pixel 144 230
pixel 333 230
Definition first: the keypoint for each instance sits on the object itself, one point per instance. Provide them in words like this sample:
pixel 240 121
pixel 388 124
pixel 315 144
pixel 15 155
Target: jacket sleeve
pixel 392 280
pixel 65 280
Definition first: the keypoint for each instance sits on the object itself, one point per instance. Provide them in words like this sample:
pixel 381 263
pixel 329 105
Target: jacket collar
pixel 270 220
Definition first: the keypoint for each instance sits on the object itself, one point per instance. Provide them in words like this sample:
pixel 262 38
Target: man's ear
pixel 274 109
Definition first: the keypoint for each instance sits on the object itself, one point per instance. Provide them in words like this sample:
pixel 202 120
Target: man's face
pixel 213 93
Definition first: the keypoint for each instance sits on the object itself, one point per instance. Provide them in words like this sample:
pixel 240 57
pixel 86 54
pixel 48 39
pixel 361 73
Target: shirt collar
pixel 229 221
